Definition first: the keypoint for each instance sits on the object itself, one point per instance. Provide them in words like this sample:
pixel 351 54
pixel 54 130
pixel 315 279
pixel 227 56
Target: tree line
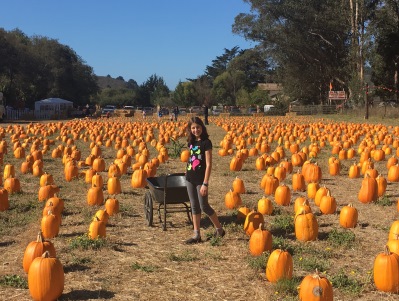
pixel 306 45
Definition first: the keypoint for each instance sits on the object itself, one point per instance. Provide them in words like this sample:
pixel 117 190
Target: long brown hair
pixel 190 136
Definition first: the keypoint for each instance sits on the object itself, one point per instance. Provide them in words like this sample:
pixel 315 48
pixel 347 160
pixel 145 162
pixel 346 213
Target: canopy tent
pixel 53 104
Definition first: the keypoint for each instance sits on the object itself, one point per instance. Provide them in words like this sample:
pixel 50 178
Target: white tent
pixel 55 105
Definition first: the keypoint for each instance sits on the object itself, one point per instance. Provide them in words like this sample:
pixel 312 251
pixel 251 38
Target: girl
pixel 198 172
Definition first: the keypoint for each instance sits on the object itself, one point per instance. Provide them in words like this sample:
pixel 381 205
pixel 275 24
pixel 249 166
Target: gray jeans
pixel 197 201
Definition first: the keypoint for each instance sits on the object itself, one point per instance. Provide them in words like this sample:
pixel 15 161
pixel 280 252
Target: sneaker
pixel 193 240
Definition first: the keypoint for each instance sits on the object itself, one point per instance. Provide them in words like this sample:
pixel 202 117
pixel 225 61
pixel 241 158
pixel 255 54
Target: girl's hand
pixel 203 190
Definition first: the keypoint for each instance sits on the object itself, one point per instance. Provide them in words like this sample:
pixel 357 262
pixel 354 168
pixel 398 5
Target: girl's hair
pixel 190 136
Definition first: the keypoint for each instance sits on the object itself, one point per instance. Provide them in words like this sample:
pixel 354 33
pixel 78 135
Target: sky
pixel 174 39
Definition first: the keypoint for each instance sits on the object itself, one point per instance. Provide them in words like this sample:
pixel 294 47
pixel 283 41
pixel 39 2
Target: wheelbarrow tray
pixel 170 193
pixel 174 193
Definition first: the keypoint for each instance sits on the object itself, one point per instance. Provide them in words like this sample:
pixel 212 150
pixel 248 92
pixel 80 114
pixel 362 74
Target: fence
pixel 26 114
pixel 314 109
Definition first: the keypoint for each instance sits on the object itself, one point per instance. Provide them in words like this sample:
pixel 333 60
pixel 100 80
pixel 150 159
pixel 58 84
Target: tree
pixel 185 94
pixel 308 46
pixel 152 91
pixel 226 86
pixel 254 63
pixel 221 63
pixel 38 67
pixel 385 56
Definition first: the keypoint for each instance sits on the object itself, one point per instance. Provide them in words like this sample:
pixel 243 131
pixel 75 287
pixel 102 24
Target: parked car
pixel 235 111
pixel 164 111
pixel 217 112
pixel 148 110
pixel 182 111
pixel 251 110
pixel 196 109
pixel 108 109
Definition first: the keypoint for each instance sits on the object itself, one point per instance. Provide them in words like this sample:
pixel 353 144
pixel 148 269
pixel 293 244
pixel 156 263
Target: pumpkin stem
pixel 39 237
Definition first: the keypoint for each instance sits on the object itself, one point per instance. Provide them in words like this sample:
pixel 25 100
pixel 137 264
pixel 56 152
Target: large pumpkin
pixel 386 271
pixel 282 195
pixel 232 199
pixel 36 249
pixel 95 196
pixel 315 287
pixel 4 202
pixel 46 278
pixel 252 222
pixel 369 190
pixel 97 229
pixel 114 185
pixel 50 225
pixel 306 226
pixel 139 177
pixel 279 266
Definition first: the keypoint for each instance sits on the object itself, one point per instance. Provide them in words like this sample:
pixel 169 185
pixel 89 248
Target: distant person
pixel 206 113
pixel 176 112
pixel 144 114
pixel 159 114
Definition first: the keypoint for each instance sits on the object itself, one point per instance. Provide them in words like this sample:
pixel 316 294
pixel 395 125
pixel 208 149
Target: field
pixel 138 262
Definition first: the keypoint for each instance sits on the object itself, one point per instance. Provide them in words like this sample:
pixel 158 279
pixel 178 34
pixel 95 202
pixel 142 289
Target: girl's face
pixel 196 130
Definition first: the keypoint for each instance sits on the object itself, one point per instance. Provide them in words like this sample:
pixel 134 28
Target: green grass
pixel 310 263
pixel 186 256
pixel 14 281
pixel 144 268
pixel 258 262
pixel 84 242
pixel 287 289
pixel 343 238
pixel 282 224
pixel 384 201
pixel 345 283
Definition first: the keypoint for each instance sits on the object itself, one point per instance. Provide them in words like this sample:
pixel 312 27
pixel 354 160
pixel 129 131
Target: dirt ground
pixel 140 262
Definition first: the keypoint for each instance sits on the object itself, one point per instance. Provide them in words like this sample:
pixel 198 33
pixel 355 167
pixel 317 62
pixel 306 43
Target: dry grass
pixel 138 262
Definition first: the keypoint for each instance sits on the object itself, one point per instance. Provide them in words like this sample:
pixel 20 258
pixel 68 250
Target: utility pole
pixel 367 101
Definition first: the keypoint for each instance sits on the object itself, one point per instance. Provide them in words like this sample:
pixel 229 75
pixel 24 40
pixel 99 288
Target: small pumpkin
pixel 238 185
pixel 265 206
pixel 260 241
pixel 97 229
pixel 348 216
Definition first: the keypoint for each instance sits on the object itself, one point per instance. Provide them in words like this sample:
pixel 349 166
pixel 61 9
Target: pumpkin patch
pixel 298 173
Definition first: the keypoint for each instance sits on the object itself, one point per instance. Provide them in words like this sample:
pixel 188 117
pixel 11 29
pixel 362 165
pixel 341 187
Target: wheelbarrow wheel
pixel 148 209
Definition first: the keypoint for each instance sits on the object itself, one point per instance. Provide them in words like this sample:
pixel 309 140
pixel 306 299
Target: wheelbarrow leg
pixel 188 211
pixel 148 210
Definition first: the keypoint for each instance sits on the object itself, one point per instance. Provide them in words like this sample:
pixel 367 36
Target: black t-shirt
pixel 196 165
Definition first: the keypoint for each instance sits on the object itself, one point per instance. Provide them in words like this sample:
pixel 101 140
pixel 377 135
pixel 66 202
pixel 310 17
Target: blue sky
pixel 175 39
